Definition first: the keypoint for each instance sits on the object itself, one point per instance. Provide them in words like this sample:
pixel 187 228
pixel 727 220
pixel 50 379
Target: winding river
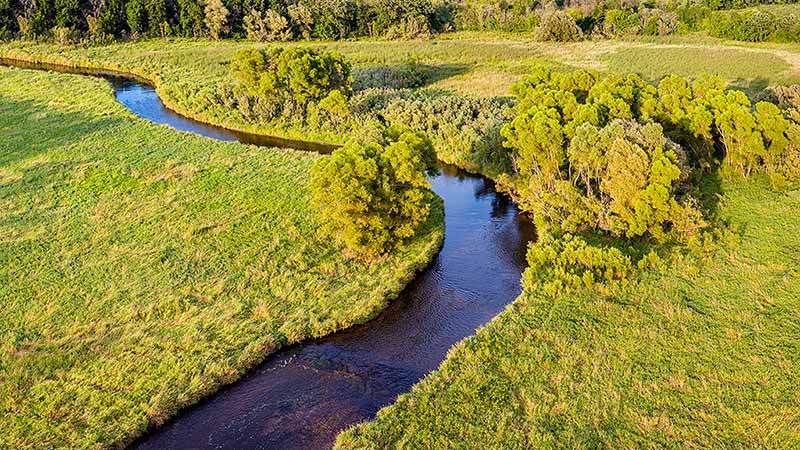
pixel 302 396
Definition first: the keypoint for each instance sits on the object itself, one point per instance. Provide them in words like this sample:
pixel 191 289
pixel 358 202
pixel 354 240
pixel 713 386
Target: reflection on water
pixel 301 397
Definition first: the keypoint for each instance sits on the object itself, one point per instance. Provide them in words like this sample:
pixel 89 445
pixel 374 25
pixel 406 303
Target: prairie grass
pixel 695 356
pixel 143 267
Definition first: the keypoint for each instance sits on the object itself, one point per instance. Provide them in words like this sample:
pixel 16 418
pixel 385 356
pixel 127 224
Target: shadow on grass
pixel 405 76
pixel 57 128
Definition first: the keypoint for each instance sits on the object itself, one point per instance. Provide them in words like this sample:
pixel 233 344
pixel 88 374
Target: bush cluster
pixel 285 81
pixel 582 162
pixel 754 26
pixel 373 197
pixel 466 130
pixel 557 266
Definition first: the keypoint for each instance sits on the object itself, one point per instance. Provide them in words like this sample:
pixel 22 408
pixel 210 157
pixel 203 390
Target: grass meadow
pixel 144 267
pixel 699 355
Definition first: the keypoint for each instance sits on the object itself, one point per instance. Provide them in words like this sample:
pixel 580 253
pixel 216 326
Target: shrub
pixel 412 74
pixel 265 28
pixel 567 264
pixel 411 27
pixel 293 76
pixel 466 130
pixel 62 35
pixel 556 25
pixel 619 22
pixel 373 197
pixel 336 107
pixel 657 22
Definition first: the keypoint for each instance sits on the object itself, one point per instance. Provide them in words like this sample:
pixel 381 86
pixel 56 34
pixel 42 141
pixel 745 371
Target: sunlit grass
pixel 142 267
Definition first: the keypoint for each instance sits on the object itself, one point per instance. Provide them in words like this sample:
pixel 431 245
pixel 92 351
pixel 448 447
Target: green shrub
pixel 466 130
pixel 657 22
pixel 754 26
pixel 294 76
pixel 566 264
pixel 620 22
pixel 556 25
pixel 373 197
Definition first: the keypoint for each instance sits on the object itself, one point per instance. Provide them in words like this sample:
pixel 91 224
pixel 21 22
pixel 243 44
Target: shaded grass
pixel 143 267
pixel 692 357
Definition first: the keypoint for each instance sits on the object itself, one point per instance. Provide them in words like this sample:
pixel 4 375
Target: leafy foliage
pixel 373 197
pixel 567 264
pixel 294 76
pixel 582 162
pixel 556 25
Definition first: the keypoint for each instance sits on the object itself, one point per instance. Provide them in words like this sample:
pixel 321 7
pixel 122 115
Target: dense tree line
pixel 259 19
pixel 616 155
pixel 281 20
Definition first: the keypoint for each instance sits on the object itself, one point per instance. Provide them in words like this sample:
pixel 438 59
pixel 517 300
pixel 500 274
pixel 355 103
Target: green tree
pixel 295 76
pixel 137 17
pixel 216 18
pixel 373 197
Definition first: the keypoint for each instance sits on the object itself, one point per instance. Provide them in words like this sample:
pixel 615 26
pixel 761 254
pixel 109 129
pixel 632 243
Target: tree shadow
pixel 752 87
pixel 55 128
pixel 405 76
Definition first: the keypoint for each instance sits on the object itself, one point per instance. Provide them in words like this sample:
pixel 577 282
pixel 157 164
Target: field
pixel 696 356
pixel 143 267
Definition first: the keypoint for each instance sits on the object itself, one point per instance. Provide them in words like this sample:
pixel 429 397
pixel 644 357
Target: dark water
pixel 301 397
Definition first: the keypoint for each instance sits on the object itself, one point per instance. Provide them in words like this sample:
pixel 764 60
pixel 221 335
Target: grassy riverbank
pixel 696 356
pixel 143 267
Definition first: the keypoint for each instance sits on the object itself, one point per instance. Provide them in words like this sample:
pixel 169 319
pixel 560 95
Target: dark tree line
pixel 318 19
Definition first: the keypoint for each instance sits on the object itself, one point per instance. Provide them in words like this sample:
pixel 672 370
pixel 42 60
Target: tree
pixel 137 17
pixel 294 76
pixel 271 27
pixel 556 25
pixel 582 162
pixel 302 19
pixel 373 197
pixel 190 18
pixel 216 18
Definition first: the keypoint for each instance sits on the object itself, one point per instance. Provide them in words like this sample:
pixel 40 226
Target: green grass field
pixel 143 267
pixel 696 356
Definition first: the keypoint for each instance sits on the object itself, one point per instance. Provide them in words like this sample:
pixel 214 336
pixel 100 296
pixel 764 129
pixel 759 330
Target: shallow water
pixel 301 397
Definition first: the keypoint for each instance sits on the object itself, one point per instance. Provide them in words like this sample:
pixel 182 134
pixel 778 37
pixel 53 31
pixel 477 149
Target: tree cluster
pixel 286 81
pixel 255 19
pixel 617 155
pixel 373 197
